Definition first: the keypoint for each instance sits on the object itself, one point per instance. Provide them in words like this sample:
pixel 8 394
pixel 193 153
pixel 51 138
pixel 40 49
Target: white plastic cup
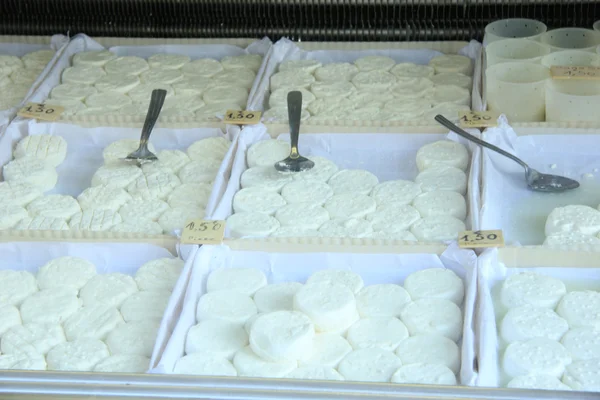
pixel 518 90
pixel 572 39
pixel 567 58
pixel 515 50
pixel 514 28
pixel 572 100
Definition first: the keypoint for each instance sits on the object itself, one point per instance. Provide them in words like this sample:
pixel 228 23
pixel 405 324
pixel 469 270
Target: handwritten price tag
pixel 573 72
pixel 478 239
pixel 477 119
pixel 199 231
pixel 41 111
pixel 239 117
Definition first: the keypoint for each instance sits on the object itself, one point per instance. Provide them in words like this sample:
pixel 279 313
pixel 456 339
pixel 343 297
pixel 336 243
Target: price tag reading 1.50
pixel 477 119
pixel 478 239
pixel 41 111
pixel 199 231
pixel 239 117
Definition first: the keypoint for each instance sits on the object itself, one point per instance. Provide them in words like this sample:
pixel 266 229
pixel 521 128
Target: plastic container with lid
pixel 518 90
pixel 572 38
pixel 520 50
pixel 514 28
pixel 568 58
pixel 572 100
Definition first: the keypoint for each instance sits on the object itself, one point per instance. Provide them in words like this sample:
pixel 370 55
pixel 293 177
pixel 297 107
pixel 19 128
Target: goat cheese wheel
pixel 453 79
pixel 376 80
pixel 276 297
pixel 430 349
pixel 116 83
pixel 94 322
pixel 331 306
pixel 161 75
pixel 16 286
pixel 435 283
pixel 354 228
pixel 50 148
pixel 251 224
pixel 115 152
pixel 393 217
pixel 374 63
pixel 426 316
pixel 451 94
pixel 349 279
pixel 249 364
pixel 31 170
pixel 124 363
pixel 71 91
pixel 322 171
pixel 537 356
pixel 93 58
pixel 68 271
pixel 117 176
pixel 204 364
pixel 350 205
pixel 203 171
pixel 94 220
pixel 80 355
pixel 127 65
pixel 107 289
pixel 20 362
pixel 306 191
pixel 305 65
pixel 448 110
pixel 383 300
pixel 11 215
pixel 583 375
pixel 582 343
pixel 568 239
pixel 103 198
pixel 157 185
pixel 175 218
pixel 18 193
pixel 542 382
pixel 336 72
pixel 216 337
pixel 9 317
pixel 369 365
pixel 134 338
pixel 159 274
pixel 353 181
pixel 145 305
pixel 530 288
pixel 50 306
pixel 243 280
pixel 573 218
pixel 580 309
pixel 443 153
pixel 202 67
pixel 249 61
pixel 42 224
pixel 411 70
pixel 291 78
pixel 256 199
pixel 384 333
pixel 226 305
pixel 282 335
pixel 332 89
pixel 139 208
pixel 436 229
pixel 267 152
pixel 528 322
pixel 399 191
pixel 302 216
pixel 279 97
pixel 328 350
pixel 452 63
pixel 168 61
pixel 442 178
pixel 424 374
pixel 213 148
pixel 32 340
pixel 54 206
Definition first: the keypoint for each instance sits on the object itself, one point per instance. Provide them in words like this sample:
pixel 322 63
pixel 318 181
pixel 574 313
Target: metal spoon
pixel 295 162
pixel 156 102
pixel 535 179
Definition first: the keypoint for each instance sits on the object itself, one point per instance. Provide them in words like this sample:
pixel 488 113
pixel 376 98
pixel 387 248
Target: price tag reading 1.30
pixel 239 117
pixel 199 231
pixel 574 72
pixel 41 111
pixel 477 119
pixel 478 239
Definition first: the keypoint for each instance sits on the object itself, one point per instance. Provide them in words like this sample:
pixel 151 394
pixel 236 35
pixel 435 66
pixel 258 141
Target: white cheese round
pixel 448 110
pixel 573 218
pixel 24 76
pixel 54 206
pixel 206 67
pixel 452 78
pixel 292 79
pixel 216 337
pixel 257 199
pixel 18 193
pixel 107 101
pixel 226 305
pixel 309 66
pixel 50 148
pixel 242 77
pixel 16 286
pixel 441 203
pixel 528 322
pixel 168 61
pixel 567 239
pixel 411 70
pixel 32 340
pixel 374 63
pixel 443 153
pixel 127 65
pixel 251 224
pixel 204 364
pixel 116 83
pixel 306 191
pixel 232 94
pixel 349 205
pixel 191 85
pixel 175 218
pixel 31 170
pixel 9 317
pixel 249 364
pixel 195 195
pixel 142 93
pixel 134 338
pixel 302 216
pixel 50 306
pixel 328 350
pixel 424 374
pixel 451 94
pixel 373 81
pixel 94 322
pixel 157 185
pixel 161 75
pixel 80 355
pixel 425 316
pixel 213 148
pixel 580 309
pixel 160 274
pixel 384 333
pixel 115 152
pixel 435 283
pixel 145 305
pixel 11 215
pixel 279 97
pixel 535 356
pixel 369 365
pixel 542 382
pixel 276 297
pixel 117 176
pixel 452 63
pixel 201 171
pixel 582 343
pixel 583 375
pixel 393 217
pixel 399 191
pixel 332 89
pixel 336 72
pixel 282 335
pixel 530 288
pixel 107 289
pixel 9 64
pixel 430 349
pixel 435 229
pixel 137 209
pixel 38 59
pixel 267 152
pixel 249 61
pixel 243 280
pixel 71 91
pixel 412 89
pixel 21 362
pixel 123 363
pixel 353 181
pixel 349 279
pixel 322 171
pixel 93 58
pixel 354 228
pixel 442 178
pixel 103 198
pixel 383 300
pixel 68 271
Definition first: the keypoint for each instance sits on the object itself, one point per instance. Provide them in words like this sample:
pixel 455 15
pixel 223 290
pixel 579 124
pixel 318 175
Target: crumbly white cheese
pixel 206 67
pixel 11 215
pixel 582 343
pixel 441 203
pixel 332 89
pixel 50 148
pixel 452 63
pixel 399 191
pixel 440 228
pixel 302 215
pixel 9 64
pixel 116 83
pixel 115 152
pixel 50 306
pixel 412 89
pixel 137 209
pixel 232 94
pixel 20 362
pixel 216 337
pixel 31 170
pixel 276 297
pixel 168 61
pixel 243 280
pixel 369 365
pixel 530 288
pixel 580 309
pixel 226 305
pixel 384 333
pixel 93 322
pixel 306 191
pixel 72 91
pixel 528 322
pixel 393 217
pixel 373 63
pixel 411 70
pixel 143 92
pixel 376 80
pixel 541 382
pixel 425 316
pixel 430 349
pixel 451 94
pixel 79 355
pixel 349 279
pixel 16 286
pixel 18 193
pixel 567 239
pixel 291 79
pixel 157 185
pixel 452 78
pixel 336 72
pixel 583 375
pixel 135 338
pixel 191 85
pixel 424 374
pixel 251 224
pixel 242 77
pixel 160 274
pixel 127 65
pixel 438 283
pixel 250 61
pixel 204 364
pixel 195 195
pixel 9 317
pixel 24 76
pixel 161 75
pixel 175 218
pixel 37 59
pixel 267 152
pixel 442 178
pixel 32 340
pixel 95 220
pixel 305 65
pixel 201 171
pixel 249 364
pixel 573 218
pixel 124 363
pixel 69 271
pixel 355 228
pixel 353 181
pixel 117 176
pixel 93 58
pixel 108 289
pixel 535 356
pixel 279 97
pixel 281 115
pixel 383 300
pixel 257 199
pixel 443 153
pixel 103 198
pixel 173 160
pixel 322 171
pixel 282 335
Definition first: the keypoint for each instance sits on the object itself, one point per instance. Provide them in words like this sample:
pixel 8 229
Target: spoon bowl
pixel 536 180
pixel 142 154
pixel 294 162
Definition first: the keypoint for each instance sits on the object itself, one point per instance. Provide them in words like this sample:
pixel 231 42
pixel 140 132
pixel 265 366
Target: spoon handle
pixel 294 101
pixel 156 102
pixel 448 124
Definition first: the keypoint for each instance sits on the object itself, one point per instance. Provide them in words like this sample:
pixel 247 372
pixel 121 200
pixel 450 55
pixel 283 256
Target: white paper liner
pixel 82 42
pixel 282 267
pixel 387 156
pixel 493 270
pixel 285 50
pixel 507 202
pixel 108 258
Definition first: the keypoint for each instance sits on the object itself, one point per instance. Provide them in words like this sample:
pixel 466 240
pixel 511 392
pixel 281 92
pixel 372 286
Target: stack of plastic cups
pixel 572 38
pixel 515 50
pixel 517 89
pixel 572 100
pixel 512 29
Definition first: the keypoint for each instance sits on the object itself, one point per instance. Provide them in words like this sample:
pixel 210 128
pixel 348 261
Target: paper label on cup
pixel 574 72
pixel 477 119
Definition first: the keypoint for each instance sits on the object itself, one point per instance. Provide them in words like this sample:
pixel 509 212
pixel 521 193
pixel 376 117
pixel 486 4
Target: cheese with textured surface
pixel 451 94
pixel 37 59
pixel 204 364
pixel 267 152
pixel 384 333
pixel 583 375
pixel 72 91
pixel 50 306
pixel 328 350
pixel 31 170
pixel 11 215
pixel 424 374
pixel 573 218
pixel 399 191
pixel 302 215
pixel 160 274
pixel 213 148
pixel 306 191
pixel 332 89
pixel 9 64
pixel 336 72
pixel 175 218
pixel 135 338
pixel 243 280
pixel 103 198
pixel 580 309
pixel 216 337
pixel 353 181
pixel 567 239
pixel 242 77
pixel 124 363
pixel 528 322
pixel 582 343
pixel 282 335
pixel 250 61
pixel 95 220
pixel 161 75
pixel 93 58
pixel 350 205
pixel 322 171
pixel 138 209
pixel 93 322
pixel 115 152
pixel 411 70
pixel 452 63
pixel 145 305
pixel 452 78
pixel 435 283
pixel 535 356
pixel 116 176
pixel 292 79
pixel 331 306
pixel 20 362
pixel 18 193
pixel 168 61
pixel 442 178
pixel 409 88
pixel 50 148
pixel 251 224
pixel 530 288
pixel 205 67
pixel 16 286
pixel 309 66
pixel 79 355
pixel 249 364
pixel 127 65
pixel 443 153
pixel 448 110
pixel 9 317
pixel 430 349
pixel 373 63
pixel 68 271
pixel 157 185
pixel 426 316
pixel 232 94
pixel 24 76
pixel 383 300
pixel 276 297
pixel 200 171
pixel 191 85
pixel 108 289
pixel 279 97
pixel 226 305
pixel 116 83
pixel 376 80
pixel 143 92
pixel 355 228
pixel 32 340
pixel 393 217
pixel 541 382
pixel 369 365
pixel 172 160
pixel 195 195
pixel 435 229
pixel 349 279
pixel 257 200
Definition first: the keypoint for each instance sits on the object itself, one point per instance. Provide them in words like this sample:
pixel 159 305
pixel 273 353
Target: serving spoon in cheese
pixel 142 154
pixel 536 180
pixel 294 162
